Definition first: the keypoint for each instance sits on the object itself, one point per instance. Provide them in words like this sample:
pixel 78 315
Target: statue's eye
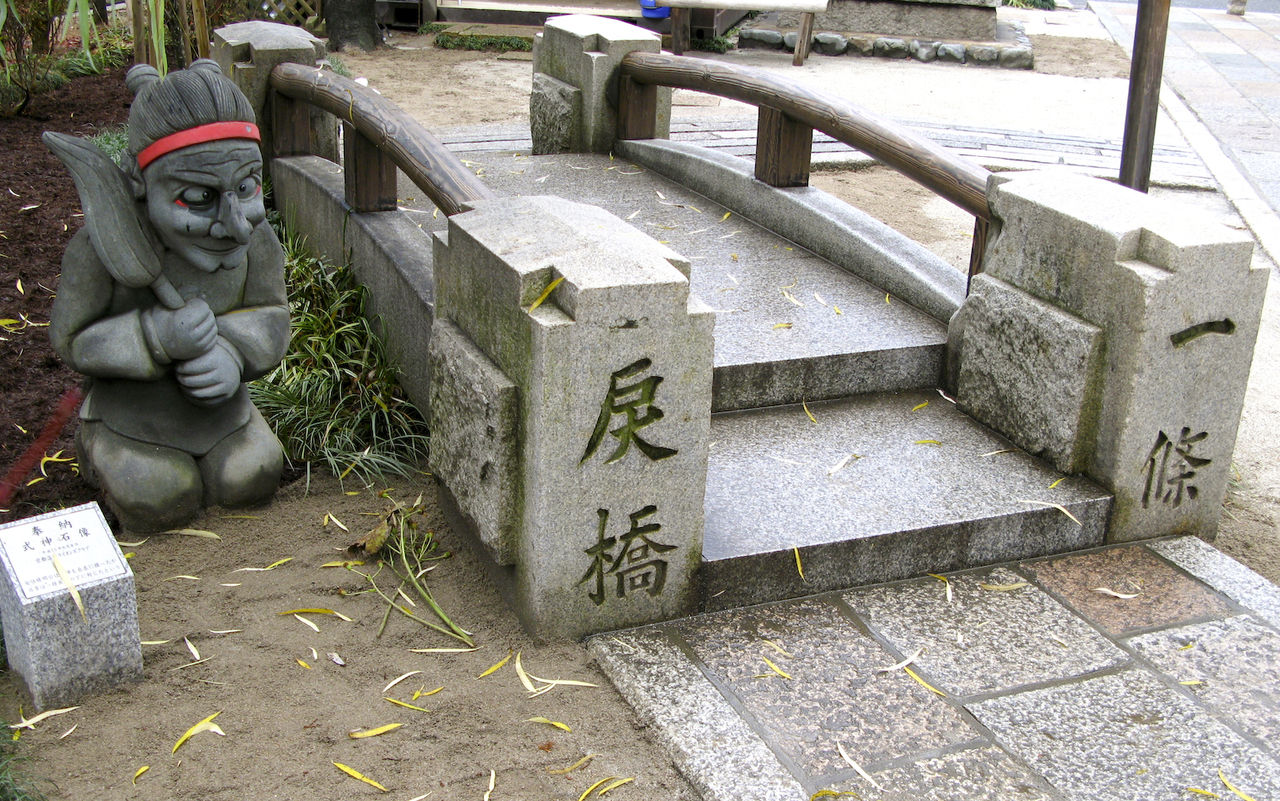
pixel 198 196
pixel 248 188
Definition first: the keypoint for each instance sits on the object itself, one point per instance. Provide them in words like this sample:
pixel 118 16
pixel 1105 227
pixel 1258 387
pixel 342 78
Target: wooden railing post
pixel 981 227
pixel 369 176
pixel 681 29
pixel 637 109
pixel 784 147
pixel 291 127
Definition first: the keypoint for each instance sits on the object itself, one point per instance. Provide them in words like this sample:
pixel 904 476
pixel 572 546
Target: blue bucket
pixel 651 10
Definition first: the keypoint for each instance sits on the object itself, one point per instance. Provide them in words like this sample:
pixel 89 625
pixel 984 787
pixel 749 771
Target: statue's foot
pixel 149 487
pixel 244 468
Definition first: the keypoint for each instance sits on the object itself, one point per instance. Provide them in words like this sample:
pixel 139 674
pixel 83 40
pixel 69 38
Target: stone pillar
pixel 575 83
pixel 570 409
pixel 248 51
pixel 1112 334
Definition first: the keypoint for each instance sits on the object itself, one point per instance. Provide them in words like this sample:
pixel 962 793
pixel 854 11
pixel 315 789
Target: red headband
pixel 196 136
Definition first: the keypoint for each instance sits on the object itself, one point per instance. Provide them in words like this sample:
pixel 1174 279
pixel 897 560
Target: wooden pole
pixel 1144 93
pixel 184 25
pixel 202 27
pixel 803 39
pixel 681 29
pixel 138 16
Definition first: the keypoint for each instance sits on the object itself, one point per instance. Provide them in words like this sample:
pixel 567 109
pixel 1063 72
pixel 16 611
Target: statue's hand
pixel 184 333
pixel 210 378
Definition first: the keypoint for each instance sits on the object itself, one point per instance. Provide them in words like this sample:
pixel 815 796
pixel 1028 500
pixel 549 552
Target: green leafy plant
pixel 429 28
pixel 339 66
pixel 335 398
pixel 1043 5
pixel 719 44
pixel 31 32
pixel 502 44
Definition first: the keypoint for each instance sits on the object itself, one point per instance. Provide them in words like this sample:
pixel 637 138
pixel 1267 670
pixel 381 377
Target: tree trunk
pixel 351 23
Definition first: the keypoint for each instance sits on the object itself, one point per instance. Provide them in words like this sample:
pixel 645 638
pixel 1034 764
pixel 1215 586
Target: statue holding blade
pixel 171 297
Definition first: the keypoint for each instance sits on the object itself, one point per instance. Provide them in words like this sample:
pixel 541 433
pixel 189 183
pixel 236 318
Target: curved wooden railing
pixel 789 113
pixel 379 136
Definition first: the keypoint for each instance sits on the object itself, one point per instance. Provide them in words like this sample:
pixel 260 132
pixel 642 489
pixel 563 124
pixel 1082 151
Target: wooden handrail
pixel 411 147
pixel 955 179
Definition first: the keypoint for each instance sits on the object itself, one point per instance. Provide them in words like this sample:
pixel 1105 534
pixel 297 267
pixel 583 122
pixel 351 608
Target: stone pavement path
pixel 1143 671
pixel 1226 70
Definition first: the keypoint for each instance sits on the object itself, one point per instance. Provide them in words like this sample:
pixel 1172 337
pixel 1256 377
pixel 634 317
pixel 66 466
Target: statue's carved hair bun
pixel 140 76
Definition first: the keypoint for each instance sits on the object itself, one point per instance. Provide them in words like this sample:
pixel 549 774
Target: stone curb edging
pixel 1012 55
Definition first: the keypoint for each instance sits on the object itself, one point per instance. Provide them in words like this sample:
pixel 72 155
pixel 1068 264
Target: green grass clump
pixel 501 44
pixel 335 398
pixel 1043 5
pixel 429 28
pixel 14 786
pixel 112 141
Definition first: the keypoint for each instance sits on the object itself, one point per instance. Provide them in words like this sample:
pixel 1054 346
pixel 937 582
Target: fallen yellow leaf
pixel 359 735
pixel 140 771
pixel 555 723
pixel 496 666
pixel 403 704
pixel 205 725
pixel 355 774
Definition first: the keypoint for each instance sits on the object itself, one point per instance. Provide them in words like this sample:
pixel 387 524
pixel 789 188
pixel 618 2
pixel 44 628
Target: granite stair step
pixel 790 326
pixel 874 488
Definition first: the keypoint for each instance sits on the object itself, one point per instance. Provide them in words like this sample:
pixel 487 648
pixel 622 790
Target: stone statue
pixel 171 297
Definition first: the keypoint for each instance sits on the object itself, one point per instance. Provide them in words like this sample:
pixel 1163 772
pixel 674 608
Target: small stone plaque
pixel 78 538
pixel 64 651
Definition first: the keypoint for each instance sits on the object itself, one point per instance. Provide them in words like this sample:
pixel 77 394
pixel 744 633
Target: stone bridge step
pixel 790 326
pixel 875 488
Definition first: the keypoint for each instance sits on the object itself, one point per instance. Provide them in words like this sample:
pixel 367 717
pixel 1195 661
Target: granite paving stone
pixel 996 631
pixel 1164 595
pixel 967 774
pixel 836 693
pixel 1225 574
pixel 707 739
pixel 1126 736
pixel 1237 664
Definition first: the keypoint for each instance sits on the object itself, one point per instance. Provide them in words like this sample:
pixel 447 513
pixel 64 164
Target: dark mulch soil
pixel 39 212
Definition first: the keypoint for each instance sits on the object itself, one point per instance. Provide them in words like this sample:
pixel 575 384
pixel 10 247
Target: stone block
pixel 61 654
pixel 830 44
pixel 789 40
pixel 759 38
pixel 984 54
pixel 924 51
pixel 1031 370
pixel 1178 302
pixel 474 421
pixel 886 47
pixel 613 372
pixel 861 45
pixel 584 52
pixel 555 116
pixel 950 51
pixel 910 18
pixel 248 51
pixel 1016 58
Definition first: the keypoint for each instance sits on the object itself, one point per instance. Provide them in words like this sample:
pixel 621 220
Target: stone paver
pixel 968 648
pixel 1020 687
pixel 1094 582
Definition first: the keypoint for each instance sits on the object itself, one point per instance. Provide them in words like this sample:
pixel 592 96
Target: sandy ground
pixel 286 723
